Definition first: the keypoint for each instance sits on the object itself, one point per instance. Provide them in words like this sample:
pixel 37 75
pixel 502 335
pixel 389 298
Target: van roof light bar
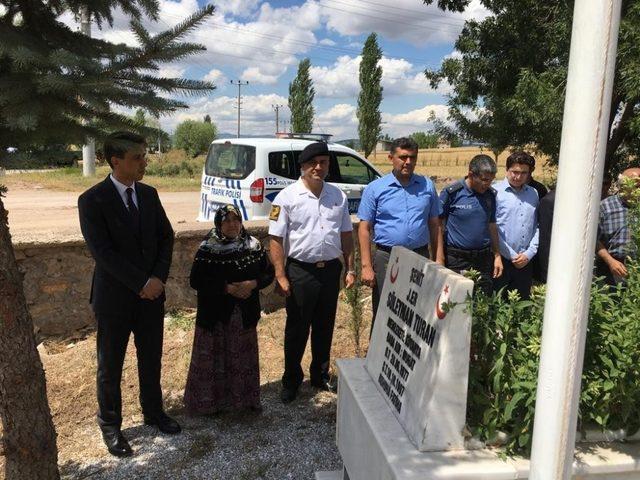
pixel 320 137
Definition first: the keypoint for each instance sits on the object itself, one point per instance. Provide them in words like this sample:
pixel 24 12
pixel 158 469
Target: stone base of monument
pixel 374 446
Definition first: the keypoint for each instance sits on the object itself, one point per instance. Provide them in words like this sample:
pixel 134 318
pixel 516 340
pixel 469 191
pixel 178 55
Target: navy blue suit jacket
pixel 126 255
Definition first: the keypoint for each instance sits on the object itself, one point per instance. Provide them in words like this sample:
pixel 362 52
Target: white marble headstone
pixel 419 352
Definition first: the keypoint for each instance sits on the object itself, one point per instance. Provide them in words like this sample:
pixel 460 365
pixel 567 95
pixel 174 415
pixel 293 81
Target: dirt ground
pixel 70 371
pixel 41 215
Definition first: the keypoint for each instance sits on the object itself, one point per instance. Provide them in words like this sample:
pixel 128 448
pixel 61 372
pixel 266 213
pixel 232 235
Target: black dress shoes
pixel 117 444
pixel 288 395
pixel 326 385
pixel 164 422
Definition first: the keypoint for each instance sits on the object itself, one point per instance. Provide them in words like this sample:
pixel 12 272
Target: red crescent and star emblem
pixel 393 276
pixel 442 299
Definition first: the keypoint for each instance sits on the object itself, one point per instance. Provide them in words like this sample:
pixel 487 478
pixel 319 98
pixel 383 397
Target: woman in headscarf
pixel 229 269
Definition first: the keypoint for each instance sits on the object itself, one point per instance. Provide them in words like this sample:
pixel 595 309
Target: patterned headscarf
pixel 215 241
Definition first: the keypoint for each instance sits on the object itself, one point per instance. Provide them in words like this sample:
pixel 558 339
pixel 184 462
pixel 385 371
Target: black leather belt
pixel 471 253
pixel 387 249
pixel 322 264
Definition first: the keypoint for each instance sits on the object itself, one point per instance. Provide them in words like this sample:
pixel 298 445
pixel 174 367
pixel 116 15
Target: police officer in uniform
pixel 469 218
pixel 310 228
pixel 400 208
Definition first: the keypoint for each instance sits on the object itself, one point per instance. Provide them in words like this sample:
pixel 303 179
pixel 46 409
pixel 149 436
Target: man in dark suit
pixel 131 240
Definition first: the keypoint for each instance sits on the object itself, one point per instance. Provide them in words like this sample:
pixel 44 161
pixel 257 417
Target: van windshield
pixel 230 161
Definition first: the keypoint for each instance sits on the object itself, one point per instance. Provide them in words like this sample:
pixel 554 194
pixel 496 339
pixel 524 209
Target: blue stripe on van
pixel 239 187
pixel 226 182
pixel 272 195
pixel 244 210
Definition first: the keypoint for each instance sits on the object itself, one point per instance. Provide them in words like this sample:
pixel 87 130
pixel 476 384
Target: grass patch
pixel 169 172
pixel 181 319
pixel 70 179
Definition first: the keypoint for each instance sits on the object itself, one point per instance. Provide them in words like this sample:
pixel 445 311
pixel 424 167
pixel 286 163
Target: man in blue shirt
pixel 399 209
pixel 516 217
pixel 469 221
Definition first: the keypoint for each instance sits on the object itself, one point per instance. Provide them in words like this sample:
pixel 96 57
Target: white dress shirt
pixel 311 226
pixel 122 190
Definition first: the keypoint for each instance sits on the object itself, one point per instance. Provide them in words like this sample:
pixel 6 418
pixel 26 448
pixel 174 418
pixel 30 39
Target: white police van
pixel 249 173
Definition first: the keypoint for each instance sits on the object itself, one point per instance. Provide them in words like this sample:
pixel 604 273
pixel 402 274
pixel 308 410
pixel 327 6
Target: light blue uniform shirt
pixel 400 214
pixel 517 220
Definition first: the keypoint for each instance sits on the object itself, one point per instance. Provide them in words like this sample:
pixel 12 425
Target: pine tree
pixel 369 120
pixel 301 94
pixel 59 86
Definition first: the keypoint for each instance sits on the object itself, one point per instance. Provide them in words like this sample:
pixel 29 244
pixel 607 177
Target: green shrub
pixel 194 137
pixel 505 350
pixel 175 167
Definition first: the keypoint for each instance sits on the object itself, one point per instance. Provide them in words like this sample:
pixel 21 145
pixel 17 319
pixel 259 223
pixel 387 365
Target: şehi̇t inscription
pixel 402 351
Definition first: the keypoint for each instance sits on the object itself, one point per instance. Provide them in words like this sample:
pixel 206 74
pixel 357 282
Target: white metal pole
pixel 584 140
pixel 88 149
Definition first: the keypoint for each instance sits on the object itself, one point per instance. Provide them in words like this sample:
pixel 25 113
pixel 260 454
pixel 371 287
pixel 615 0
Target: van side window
pixel 353 170
pixel 230 161
pixel 284 164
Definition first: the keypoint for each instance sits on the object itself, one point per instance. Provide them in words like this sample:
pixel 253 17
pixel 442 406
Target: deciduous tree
pixel 510 77
pixel 194 137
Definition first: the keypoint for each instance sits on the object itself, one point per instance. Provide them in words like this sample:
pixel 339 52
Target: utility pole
pixel 239 83
pixel 277 108
pixel 89 148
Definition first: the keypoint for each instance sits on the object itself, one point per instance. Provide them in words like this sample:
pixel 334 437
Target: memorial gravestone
pixel 418 356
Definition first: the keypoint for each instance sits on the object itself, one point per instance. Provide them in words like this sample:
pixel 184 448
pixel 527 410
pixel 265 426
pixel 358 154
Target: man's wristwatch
pixel 351 272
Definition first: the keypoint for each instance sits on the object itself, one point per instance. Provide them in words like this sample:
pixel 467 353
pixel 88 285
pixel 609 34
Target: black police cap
pixel 313 150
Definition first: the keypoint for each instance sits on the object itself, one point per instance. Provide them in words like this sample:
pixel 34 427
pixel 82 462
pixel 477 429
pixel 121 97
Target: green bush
pixel 194 137
pixel 188 168
pixel 505 350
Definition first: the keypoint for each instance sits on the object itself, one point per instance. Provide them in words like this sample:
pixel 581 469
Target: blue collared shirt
pixel 517 220
pixel 400 214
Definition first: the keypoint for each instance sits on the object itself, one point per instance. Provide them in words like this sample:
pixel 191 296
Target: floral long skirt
pixel 225 370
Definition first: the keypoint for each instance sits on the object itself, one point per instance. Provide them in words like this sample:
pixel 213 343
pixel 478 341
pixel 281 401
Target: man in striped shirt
pixel 614 237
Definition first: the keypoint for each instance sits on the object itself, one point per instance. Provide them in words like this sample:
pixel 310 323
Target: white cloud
pixel 257 115
pixel 414 120
pixel 328 42
pixel 171 71
pixel 409 20
pixel 216 76
pixel 254 75
pixel 340 80
pixel 236 7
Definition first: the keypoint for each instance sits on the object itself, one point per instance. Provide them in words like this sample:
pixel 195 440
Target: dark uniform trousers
pixel 513 278
pixel 146 322
pixel 380 261
pixel 480 260
pixel 311 305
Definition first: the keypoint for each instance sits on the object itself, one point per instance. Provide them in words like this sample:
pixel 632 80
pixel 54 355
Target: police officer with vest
pixel 310 229
pixel 469 218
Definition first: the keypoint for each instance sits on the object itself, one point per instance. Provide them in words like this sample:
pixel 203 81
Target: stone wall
pixel 57 281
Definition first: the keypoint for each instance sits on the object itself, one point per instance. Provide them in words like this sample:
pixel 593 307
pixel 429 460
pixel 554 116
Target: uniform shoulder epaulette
pixel 454 187
pixel 493 191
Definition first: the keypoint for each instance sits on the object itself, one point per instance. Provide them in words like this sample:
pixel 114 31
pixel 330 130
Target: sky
pixel 262 42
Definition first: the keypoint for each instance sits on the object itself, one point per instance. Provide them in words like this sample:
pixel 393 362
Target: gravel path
pixel 283 442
